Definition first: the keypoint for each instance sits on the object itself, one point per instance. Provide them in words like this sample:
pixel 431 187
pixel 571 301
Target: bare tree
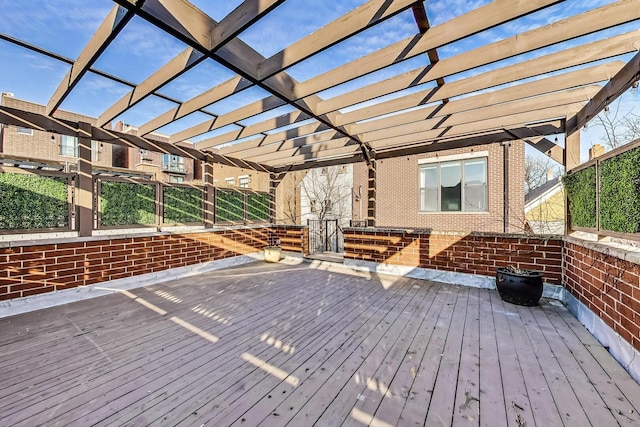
pixel 328 192
pixel 538 170
pixel 326 199
pixel 619 127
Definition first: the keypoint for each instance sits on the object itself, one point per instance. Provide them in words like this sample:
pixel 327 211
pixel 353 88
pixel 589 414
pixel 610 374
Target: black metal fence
pixel 325 236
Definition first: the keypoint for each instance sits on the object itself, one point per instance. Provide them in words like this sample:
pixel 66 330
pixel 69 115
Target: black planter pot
pixel 521 289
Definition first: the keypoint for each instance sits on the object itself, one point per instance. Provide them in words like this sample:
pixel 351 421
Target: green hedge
pixel 229 206
pixel 33 201
pixel 124 203
pixel 619 195
pixel 258 207
pixel 581 192
pixel 182 205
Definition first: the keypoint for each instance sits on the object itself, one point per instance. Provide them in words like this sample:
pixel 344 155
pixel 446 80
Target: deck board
pixel 277 344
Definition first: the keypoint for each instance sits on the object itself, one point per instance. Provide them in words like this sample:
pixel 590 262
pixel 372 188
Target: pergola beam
pixel 367 15
pixel 233 24
pixel 467 127
pixel 348 25
pixel 466 141
pixel 480 19
pixel 484 110
pixel 622 81
pixel 504 49
pixel 487 125
pixel 115 21
pixel 186 60
pixel 549 85
pixel 447 32
pixel 487 113
pixel 576 56
pixel 580 77
pixel 235 55
pixel 232 86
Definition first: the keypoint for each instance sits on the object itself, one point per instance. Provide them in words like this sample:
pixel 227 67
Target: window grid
pixel 472 196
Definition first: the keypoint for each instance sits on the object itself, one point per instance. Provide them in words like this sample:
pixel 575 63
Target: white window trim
pixel 464 156
pixel 454 157
pixel 20 129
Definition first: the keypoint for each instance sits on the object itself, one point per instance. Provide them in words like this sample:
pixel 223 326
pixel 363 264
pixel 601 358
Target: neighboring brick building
pixel 453 190
pixel 165 167
pixel 229 176
pixel 38 145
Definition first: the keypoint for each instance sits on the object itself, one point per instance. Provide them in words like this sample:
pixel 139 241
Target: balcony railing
pixel 174 167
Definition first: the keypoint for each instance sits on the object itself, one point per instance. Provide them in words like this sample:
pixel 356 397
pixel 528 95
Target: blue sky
pixel 64 27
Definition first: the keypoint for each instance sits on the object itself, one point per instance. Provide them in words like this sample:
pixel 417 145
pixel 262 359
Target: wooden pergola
pixel 551 93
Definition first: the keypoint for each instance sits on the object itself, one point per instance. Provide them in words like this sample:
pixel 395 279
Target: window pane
pixel 475 188
pixel 24 131
pixel 429 188
pixel 68 146
pixel 451 186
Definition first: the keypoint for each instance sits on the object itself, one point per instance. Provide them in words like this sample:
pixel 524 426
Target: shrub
pixel 182 205
pixel 258 207
pixel 127 203
pixel 229 206
pixel 33 201
pixel 619 195
pixel 581 192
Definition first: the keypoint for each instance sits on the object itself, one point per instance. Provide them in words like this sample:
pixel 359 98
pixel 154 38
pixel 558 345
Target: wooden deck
pixel 281 344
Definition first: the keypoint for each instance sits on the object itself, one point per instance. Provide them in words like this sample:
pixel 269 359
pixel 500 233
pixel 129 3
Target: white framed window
pixel 24 131
pixel 176 179
pixel 230 182
pixel 243 181
pixel 68 146
pixel 454 186
pixel 96 150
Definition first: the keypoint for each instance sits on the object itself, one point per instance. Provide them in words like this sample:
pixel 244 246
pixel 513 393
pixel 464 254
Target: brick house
pixel 24 143
pixel 454 190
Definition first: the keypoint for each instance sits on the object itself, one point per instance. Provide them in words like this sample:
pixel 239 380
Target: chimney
pixel 549 175
pixel 596 150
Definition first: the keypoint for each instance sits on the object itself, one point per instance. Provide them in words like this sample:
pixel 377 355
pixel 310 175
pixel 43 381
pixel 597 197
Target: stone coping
pixel 618 250
pixel 129 234
pixel 418 231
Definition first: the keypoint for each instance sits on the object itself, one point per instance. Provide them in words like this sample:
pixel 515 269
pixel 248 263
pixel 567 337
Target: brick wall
pixel 34 269
pixel 606 283
pixel 476 253
pixel 291 237
pixel 398 192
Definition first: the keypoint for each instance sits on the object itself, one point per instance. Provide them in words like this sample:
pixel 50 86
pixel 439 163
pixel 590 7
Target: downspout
pixel 505 174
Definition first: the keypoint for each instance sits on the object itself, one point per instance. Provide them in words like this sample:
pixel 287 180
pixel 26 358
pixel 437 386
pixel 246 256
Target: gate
pixel 325 236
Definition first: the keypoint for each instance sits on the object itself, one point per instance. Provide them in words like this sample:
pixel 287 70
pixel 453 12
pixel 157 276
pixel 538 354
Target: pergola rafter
pixel 114 23
pixel 479 107
pixel 571 57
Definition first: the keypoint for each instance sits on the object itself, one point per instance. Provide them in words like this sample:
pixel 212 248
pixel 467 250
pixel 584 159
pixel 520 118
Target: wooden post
pixel 371 194
pixel 273 185
pixel 209 194
pixel 572 151
pixel 84 198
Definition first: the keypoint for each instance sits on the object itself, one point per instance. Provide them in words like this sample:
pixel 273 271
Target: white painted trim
pixel 464 156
